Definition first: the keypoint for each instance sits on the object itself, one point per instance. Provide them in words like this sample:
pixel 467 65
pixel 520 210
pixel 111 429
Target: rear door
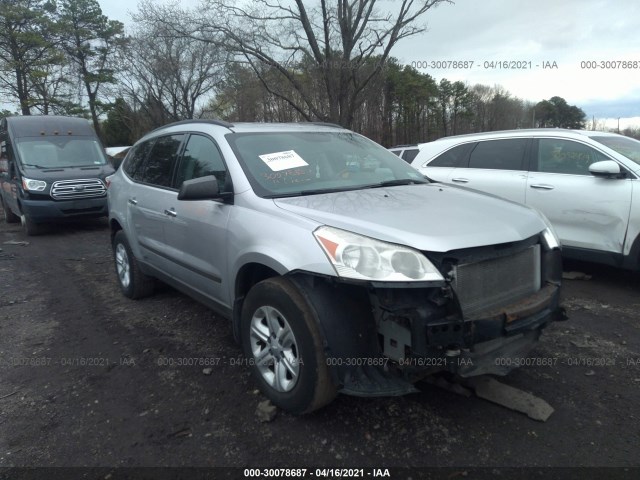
pixel 497 167
pixel 147 199
pixel 587 212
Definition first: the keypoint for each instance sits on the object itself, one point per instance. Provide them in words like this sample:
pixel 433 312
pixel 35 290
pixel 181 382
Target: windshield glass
pixel 305 163
pixel 59 152
pixel 626 146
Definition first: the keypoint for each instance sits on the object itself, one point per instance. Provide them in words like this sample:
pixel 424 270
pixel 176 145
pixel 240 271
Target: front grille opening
pixel 493 283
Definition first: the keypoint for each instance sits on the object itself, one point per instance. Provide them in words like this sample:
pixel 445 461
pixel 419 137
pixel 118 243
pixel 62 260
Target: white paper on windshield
pixel 283 160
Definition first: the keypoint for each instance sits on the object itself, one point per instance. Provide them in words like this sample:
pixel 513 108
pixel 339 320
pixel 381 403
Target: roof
pixel 561 132
pixel 48 125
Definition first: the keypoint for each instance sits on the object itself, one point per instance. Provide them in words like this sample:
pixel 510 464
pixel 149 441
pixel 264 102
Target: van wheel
pixel 284 348
pixel 30 227
pixel 9 216
pixel 133 283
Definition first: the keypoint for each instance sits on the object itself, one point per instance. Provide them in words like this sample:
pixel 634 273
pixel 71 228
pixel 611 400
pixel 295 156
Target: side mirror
pixel 204 188
pixel 605 169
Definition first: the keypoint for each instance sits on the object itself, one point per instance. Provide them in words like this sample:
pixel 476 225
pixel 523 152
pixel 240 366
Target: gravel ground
pixel 89 378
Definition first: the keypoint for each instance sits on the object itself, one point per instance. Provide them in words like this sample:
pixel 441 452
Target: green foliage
pixel 556 112
pixel 116 129
pixel 27 50
pixel 90 41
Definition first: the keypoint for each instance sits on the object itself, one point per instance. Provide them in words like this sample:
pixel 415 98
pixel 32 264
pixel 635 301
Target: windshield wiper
pixel 397 182
pixel 318 191
pixel 33 166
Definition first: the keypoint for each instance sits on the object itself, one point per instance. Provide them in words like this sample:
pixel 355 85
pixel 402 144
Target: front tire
pixel 133 283
pixel 282 342
pixel 31 228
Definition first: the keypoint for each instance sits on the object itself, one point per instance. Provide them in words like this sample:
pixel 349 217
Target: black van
pixel 51 168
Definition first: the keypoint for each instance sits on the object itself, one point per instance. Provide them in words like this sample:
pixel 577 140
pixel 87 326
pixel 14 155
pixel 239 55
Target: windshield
pixel 60 152
pixel 626 146
pixel 304 163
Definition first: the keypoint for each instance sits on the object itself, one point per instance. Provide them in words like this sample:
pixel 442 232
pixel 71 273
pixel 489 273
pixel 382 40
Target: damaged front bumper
pixel 495 344
pixel 381 339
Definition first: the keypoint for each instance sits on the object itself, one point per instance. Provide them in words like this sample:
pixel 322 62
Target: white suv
pixel 585 182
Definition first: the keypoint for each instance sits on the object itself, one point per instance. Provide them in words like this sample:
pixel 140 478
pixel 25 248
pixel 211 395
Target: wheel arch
pixel 248 275
pixel 632 260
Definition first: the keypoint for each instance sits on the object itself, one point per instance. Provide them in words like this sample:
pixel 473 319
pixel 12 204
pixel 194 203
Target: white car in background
pixel 405 152
pixel 585 182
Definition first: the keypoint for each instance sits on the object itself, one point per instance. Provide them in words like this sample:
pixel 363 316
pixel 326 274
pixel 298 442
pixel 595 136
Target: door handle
pixel 460 180
pixel 542 186
pixel 133 201
pixel 171 213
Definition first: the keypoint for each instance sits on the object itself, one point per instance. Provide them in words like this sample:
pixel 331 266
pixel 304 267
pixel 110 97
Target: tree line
pixel 262 61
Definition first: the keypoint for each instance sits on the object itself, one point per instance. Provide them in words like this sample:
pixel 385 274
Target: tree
pixel 555 112
pixel 170 77
pixel 330 42
pixel 410 104
pixel 26 49
pixel 118 127
pixel 91 42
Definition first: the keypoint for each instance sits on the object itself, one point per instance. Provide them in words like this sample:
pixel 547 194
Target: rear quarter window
pixel 454 157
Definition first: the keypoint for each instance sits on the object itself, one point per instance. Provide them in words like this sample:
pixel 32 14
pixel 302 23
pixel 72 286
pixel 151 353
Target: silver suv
pixel 584 182
pixel 341 268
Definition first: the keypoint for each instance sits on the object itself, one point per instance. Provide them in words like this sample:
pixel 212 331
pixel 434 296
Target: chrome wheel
pixel 122 265
pixel 274 349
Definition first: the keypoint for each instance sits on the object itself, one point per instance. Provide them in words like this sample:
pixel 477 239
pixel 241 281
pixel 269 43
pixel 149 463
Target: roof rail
pixel 405 145
pixel 327 124
pixel 211 121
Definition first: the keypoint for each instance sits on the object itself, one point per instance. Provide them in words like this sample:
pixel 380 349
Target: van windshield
pixel 60 152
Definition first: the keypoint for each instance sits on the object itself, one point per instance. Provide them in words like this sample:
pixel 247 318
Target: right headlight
pixel 31 185
pixel 363 258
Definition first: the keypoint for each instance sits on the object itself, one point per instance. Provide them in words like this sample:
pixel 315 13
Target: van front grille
pixel 80 188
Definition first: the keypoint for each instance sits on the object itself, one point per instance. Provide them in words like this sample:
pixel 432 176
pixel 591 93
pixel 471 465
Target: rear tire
pixel 9 216
pixel 133 283
pixel 284 348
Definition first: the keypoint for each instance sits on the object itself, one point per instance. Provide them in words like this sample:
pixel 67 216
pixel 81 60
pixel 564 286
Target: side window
pixel 505 154
pixel 410 154
pixel 396 152
pixel 201 158
pixel 134 162
pixel 161 161
pixel 454 157
pixel 566 156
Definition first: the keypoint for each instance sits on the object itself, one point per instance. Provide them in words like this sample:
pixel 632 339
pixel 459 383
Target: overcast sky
pixel 532 32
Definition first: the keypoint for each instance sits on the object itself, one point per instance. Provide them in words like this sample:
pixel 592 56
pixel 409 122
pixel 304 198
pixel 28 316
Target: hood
pixel 68 173
pixel 431 217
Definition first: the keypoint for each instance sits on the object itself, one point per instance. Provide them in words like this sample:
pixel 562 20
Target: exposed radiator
pixel 490 284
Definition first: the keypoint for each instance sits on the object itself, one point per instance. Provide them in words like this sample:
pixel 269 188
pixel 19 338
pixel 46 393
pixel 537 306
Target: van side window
pixel 162 159
pixel 505 154
pixel 133 166
pixel 201 158
pixel 454 157
pixel 565 156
